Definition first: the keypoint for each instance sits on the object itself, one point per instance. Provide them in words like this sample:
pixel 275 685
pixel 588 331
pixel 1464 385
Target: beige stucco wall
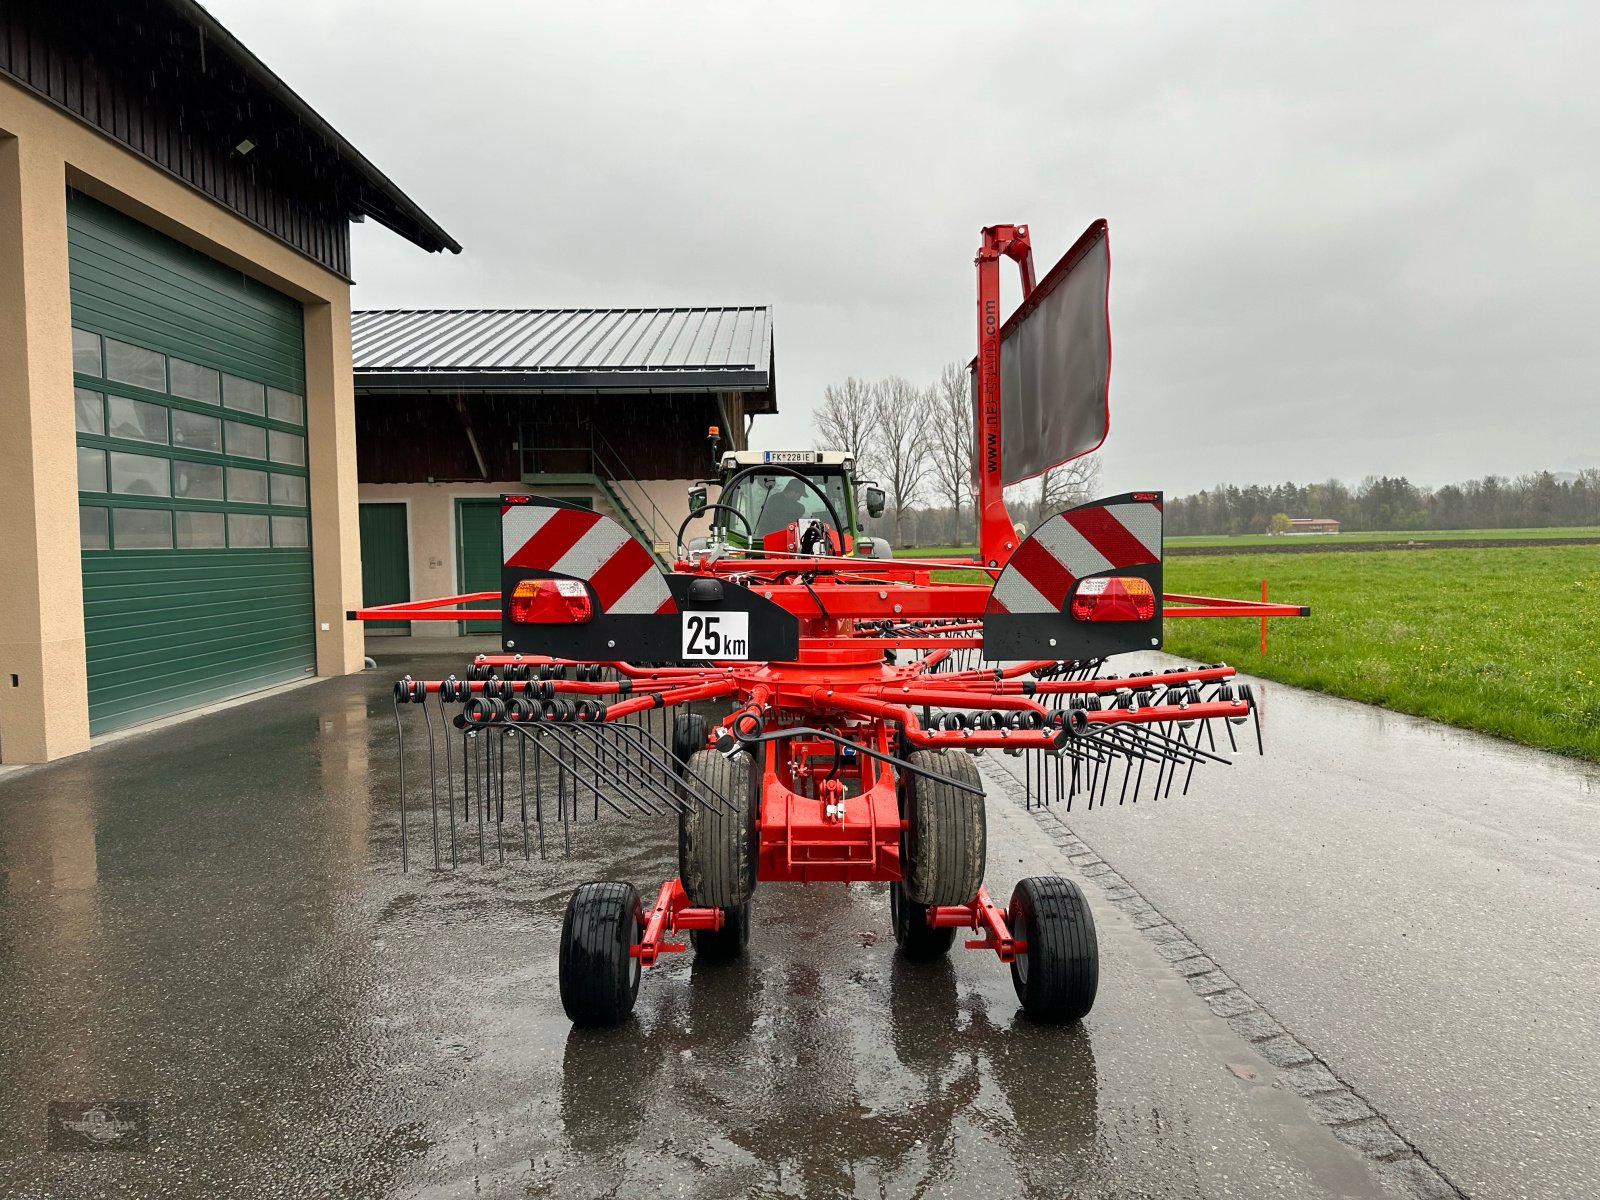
pixel 431 525
pixel 42 152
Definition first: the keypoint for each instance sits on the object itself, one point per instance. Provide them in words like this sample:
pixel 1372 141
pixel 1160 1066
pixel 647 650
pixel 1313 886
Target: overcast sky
pixel 1347 239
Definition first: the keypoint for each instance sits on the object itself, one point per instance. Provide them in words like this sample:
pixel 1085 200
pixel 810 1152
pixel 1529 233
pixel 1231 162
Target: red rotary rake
pixel 854 691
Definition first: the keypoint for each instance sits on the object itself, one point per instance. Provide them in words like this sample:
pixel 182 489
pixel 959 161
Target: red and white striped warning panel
pixel 1090 540
pixel 567 540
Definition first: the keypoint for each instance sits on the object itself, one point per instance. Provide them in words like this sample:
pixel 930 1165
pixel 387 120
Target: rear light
pixel 550 602
pixel 1114 598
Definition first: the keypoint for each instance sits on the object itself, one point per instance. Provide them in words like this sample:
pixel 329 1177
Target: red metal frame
pixel 831 816
pixel 672 913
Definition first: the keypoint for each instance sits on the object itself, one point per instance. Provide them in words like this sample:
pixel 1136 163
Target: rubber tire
pixel 946 838
pixel 1058 976
pixel 725 943
pixel 918 941
pixel 688 737
pixel 599 978
pixel 717 849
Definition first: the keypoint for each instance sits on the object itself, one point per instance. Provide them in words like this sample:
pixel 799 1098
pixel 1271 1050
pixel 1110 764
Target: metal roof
pixel 567 350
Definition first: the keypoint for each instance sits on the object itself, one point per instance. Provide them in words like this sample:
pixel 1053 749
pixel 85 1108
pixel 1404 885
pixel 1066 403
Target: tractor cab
pixel 790 502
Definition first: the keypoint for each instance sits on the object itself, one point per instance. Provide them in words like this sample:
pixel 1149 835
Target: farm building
pixel 607 407
pixel 179 453
pixel 1313 525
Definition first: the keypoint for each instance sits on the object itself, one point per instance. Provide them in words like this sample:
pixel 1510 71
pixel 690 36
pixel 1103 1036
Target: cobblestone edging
pixel 1332 1101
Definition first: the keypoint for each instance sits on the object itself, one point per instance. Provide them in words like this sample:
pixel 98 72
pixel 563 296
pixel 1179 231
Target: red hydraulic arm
pixel 997 537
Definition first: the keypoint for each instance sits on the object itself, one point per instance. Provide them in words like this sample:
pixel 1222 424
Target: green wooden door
pixel 478 554
pixel 192 479
pixel 385 561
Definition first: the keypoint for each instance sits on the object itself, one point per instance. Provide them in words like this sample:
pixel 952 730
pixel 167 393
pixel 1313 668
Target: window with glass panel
pixel 196 481
pixel 89 411
pixel 201 530
pixel 247 487
pixel 286 406
pixel 94 529
pixel 247 531
pixel 140 475
pixel 247 441
pixel 243 395
pixel 142 528
pixel 91 470
pixel 288 531
pixel 136 420
pixel 194 382
pixel 86 352
pixel 196 431
pixel 288 448
pixel 136 365
pixel 289 489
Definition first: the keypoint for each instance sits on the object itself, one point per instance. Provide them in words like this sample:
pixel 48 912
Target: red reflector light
pixel 550 602
pixel 1114 598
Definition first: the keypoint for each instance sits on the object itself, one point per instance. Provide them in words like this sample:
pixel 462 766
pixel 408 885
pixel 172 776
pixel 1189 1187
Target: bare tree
pixel 846 420
pixel 1066 485
pixel 950 453
pixel 900 442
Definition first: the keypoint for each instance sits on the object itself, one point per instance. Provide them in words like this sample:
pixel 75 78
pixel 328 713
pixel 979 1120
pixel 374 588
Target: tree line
pixel 916 441
pixel 1540 500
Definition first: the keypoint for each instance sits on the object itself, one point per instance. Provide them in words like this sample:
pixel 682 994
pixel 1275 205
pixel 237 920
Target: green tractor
pixel 788 502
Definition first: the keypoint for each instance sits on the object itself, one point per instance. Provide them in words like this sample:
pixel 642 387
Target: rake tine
pixel 692 774
pixel 499 746
pixel 598 765
pixel 538 790
pixel 522 792
pixel 450 787
pixel 477 766
pixel 562 737
pixel 561 797
pixel 433 782
pixel 400 755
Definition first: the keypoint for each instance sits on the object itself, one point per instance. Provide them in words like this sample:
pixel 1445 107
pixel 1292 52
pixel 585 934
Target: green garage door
pixel 478 554
pixel 192 480
pixel 385 561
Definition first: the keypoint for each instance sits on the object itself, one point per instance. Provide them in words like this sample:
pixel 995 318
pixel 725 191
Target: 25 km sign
pixel 724 635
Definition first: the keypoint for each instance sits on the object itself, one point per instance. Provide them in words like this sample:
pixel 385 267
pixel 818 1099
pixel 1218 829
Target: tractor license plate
pixel 791 456
pixel 722 635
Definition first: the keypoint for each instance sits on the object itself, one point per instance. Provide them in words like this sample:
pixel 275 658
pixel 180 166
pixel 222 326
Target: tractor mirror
pixel 875 501
pixel 697 499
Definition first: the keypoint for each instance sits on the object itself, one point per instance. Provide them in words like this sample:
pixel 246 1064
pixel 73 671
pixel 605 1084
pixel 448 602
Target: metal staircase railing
pixel 598 465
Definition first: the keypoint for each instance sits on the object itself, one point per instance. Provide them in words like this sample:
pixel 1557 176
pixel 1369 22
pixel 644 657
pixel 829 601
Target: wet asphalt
pixel 1421 906
pixel 211 920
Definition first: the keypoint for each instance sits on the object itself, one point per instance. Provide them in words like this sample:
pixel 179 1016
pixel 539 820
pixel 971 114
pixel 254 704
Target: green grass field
pixel 1502 640
pixel 1400 535
pixel 1296 539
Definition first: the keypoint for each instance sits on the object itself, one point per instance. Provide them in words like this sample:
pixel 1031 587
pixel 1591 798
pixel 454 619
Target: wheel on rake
pixel 717 848
pixel 946 837
pixel 727 942
pixel 917 940
pixel 1058 974
pixel 688 737
pixel 599 978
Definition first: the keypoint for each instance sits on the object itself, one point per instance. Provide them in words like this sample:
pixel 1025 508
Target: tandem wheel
pixel 717 849
pixel 918 941
pixel 599 978
pixel 1057 977
pixel 729 942
pixel 946 836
